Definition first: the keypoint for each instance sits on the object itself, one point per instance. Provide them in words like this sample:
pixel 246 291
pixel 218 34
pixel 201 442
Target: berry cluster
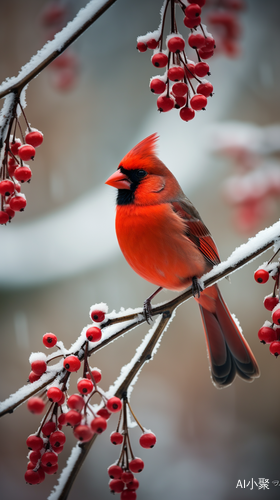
pixel 77 410
pixel 65 68
pixel 269 333
pixel 224 19
pixel 14 171
pixel 183 85
pixel 122 472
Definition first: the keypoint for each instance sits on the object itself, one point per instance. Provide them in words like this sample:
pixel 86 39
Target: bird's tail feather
pixel 229 353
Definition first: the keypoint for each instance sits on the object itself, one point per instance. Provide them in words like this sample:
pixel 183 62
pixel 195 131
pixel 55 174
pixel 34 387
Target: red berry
pixel 97 316
pixel 116 485
pixel 9 211
pixel 39 366
pixel 33 377
pixel 35 138
pixel 159 60
pixel 50 470
pixel 114 404
pixel 201 69
pixel 34 456
pixel 136 465
pixel 85 386
pixel 12 165
pixel 116 438
pixel 180 102
pixel 261 276
pixel 180 89
pixel 57 439
pixel 176 44
pixel 96 375
pixel 93 334
pixel 165 103
pixel 276 315
pixel 192 23
pixel 190 71
pixel 99 425
pixel 205 89
pixel 275 348
pixel 142 47
pixel 49 458
pixel 205 54
pixel 48 428
pixel 147 440
pixel 128 495
pixel 198 102
pixel 267 334
pixel 26 152
pixel 62 419
pixel 72 363
pixel 14 146
pixel 34 442
pixel 36 405
pixel 270 302
pixel 76 402
pixel 54 394
pixel 193 11
pixel 104 413
pixel 157 86
pixel 115 471
pixel 49 340
pixel 176 73
pixel 83 433
pixel 73 417
pixel 18 203
pixel 127 476
pixel 187 114
pixel 32 477
pixel 198 2
pixel 7 187
pixel 152 43
pixel 196 41
pixel 23 173
pixel 133 485
pixel 4 217
pixel 209 43
pixel 62 399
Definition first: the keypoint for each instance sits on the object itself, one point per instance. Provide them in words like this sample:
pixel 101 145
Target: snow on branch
pixel 52 49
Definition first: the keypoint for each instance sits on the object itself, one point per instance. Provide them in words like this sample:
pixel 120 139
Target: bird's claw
pixel 147 311
pixel 196 288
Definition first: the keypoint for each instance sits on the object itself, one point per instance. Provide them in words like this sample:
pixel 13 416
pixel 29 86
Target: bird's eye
pixel 141 173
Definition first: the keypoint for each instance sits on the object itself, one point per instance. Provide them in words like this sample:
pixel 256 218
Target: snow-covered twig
pixel 52 49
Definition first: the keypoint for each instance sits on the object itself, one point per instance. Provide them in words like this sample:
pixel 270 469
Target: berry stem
pixel 24 116
pixel 162 24
pixel 134 416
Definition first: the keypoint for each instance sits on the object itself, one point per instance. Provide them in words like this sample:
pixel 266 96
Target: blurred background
pixel 60 255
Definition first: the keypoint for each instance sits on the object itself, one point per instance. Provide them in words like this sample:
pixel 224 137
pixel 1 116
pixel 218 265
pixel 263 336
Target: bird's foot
pixel 196 288
pixel 147 311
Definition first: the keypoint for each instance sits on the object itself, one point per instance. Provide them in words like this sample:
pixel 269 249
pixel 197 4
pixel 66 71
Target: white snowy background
pixel 60 256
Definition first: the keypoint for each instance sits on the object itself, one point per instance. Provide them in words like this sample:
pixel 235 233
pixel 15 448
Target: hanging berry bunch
pixel 64 70
pixel 224 18
pixel 122 472
pixel 269 333
pixel 183 85
pixel 14 170
pixel 61 408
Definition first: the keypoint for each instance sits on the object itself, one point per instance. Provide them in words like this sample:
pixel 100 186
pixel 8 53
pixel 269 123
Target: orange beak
pixel 119 181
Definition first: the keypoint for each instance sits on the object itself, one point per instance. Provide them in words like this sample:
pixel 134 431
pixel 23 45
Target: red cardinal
pixel 164 240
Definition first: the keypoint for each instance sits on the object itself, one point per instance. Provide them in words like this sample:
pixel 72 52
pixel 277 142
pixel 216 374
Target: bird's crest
pixel 141 151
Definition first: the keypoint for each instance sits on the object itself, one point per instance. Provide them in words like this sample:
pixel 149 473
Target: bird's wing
pixel 196 231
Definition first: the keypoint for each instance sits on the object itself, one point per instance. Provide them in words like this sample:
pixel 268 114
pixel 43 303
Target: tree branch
pixel 51 50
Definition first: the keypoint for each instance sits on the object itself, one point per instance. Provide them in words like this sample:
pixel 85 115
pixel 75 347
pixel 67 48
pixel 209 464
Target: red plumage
pixel 164 240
